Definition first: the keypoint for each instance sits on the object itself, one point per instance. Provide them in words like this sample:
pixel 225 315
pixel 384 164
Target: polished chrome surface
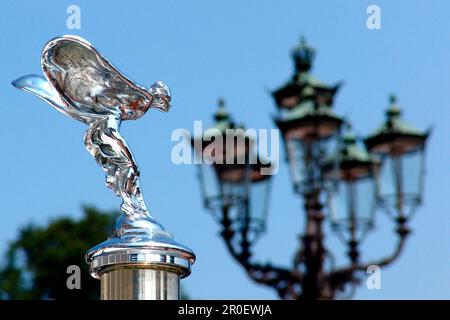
pixel 82 84
pixel 139 284
pixel 155 250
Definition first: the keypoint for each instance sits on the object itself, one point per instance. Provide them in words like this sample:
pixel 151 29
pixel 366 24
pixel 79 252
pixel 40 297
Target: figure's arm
pixel 40 87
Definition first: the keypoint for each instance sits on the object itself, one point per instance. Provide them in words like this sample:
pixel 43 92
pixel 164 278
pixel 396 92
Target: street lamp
pixel 233 188
pixel 306 121
pixel 402 150
pixel 352 202
pixel 337 179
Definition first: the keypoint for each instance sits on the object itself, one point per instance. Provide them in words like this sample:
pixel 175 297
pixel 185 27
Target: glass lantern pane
pixel 386 188
pixel 412 176
pixel 209 185
pixel 305 161
pixel 338 204
pixel 232 192
pixel 401 180
pixel 330 145
pixel 352 205
pixel 365 201
pixel 295 159
pixel 258 204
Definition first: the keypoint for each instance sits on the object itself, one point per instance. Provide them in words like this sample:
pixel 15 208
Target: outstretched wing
pixel 40 87
pixel 89 83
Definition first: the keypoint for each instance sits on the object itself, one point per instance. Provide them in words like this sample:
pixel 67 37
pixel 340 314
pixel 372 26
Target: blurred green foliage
pixel 35 265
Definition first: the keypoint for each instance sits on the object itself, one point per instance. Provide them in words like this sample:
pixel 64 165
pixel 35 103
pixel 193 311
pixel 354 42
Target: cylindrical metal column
pixel 140 264
pixel 139 284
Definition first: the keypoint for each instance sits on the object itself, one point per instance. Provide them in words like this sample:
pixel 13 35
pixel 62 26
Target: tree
pixel 36 263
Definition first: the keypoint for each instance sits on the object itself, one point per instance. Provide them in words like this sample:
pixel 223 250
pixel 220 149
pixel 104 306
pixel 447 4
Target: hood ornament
pixel 79 82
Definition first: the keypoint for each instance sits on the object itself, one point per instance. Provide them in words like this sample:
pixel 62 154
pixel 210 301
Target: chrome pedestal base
pixel 140 261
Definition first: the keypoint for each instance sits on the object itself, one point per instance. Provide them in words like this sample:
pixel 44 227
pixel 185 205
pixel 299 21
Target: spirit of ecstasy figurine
pixel 82 84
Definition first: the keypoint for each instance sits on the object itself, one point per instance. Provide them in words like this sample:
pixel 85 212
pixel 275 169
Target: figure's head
pixel 161 96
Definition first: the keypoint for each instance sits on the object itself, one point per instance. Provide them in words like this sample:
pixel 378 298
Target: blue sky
pixel 235 49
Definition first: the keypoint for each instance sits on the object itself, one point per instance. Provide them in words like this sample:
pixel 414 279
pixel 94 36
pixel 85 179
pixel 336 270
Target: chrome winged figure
pixel 79 82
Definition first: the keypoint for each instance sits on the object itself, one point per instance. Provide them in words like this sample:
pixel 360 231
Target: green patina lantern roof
pixel 303 85
pixel 395 130
pixel 222 118
pixel 394 123
pixel 308 120
pixel 350 161
pixel 350 151
pixel 307 79
pixel 308 108
pixel 223 121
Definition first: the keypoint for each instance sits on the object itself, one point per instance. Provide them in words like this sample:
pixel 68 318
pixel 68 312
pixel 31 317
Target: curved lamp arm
pixel 280 278
pixel 340 277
